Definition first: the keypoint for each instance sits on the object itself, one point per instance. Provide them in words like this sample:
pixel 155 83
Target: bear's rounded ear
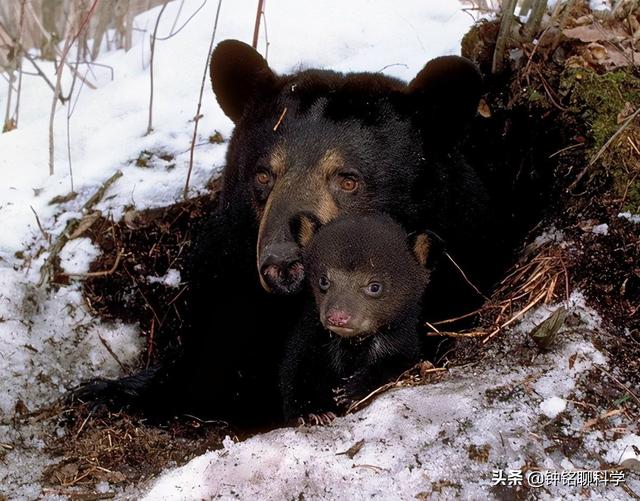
pixel 238 73
pixel 447 91
pixel 427 247
pixel 421 249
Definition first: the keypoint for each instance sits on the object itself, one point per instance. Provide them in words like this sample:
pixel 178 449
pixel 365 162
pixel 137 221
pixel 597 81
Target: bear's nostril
pixel 295 270
pixel 271 272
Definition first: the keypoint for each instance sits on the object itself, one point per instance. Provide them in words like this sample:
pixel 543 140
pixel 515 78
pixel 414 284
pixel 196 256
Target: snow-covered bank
pixel 439 441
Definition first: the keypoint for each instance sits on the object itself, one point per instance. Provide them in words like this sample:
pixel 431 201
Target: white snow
pixel 601 229
pixel 441 440
pixel 77 255
pixel 600 4
pixel 633 218
pixel 553 406
pixel 624 448
pixel 171 278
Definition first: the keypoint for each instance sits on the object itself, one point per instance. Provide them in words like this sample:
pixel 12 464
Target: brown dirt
pixel 123 450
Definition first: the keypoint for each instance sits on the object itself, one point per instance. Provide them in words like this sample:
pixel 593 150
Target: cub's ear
pixel 446 92
pixel 421 249
pixel 238 73
pixel 427 247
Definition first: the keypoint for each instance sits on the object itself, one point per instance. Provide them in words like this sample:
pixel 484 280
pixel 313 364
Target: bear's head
pixel 316 144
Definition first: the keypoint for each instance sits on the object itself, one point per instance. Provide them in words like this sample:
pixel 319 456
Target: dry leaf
pixel 85 223
pixel 483 109
pixel 353 450
pixel 631 464
pixel 545 333
pixel 583 33
pixel 597 51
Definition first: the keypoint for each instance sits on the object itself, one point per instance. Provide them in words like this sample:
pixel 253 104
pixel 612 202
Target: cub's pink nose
pixel 338 318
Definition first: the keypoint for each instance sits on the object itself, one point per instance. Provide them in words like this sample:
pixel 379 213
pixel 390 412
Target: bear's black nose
pixel 281 268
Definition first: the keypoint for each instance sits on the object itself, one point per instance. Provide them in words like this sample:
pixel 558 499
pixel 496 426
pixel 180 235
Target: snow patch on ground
pixel 633 218
pixel 77 255
pixel 625 448
pixel 171 279
pixel 553 406
pixel 601 229
pixel 441 440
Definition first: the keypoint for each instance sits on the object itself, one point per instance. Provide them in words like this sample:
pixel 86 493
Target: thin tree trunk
pixel 508 8
pixel 256 28
pixel 153 50
pixel 185 193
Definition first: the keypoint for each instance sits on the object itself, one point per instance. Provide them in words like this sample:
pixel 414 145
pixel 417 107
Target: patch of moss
pixel 598 100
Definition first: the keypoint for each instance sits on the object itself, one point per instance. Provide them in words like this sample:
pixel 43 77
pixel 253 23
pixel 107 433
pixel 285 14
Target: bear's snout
pixel 281 268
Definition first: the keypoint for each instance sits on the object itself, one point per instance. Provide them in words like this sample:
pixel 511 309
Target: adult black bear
pixel 367 278
pixel 306 148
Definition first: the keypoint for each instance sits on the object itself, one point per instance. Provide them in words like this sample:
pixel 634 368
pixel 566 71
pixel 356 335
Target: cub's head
pixel 366 274
pixel 314 145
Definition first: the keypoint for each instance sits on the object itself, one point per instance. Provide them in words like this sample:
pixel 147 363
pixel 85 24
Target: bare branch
pixel 196 119
pixel 256 27
pixel 57 92
pixel 153 51
pixel 174 33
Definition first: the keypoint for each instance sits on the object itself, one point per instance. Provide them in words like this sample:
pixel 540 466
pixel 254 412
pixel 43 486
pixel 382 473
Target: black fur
pixel 399 141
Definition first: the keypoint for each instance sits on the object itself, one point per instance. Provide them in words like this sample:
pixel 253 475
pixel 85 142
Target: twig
pixel 604 148
pixel 567 148
pixel 47 269
pixel 111 352
pixel 46 236
pixel 104 273
pixel 16 114
pixel 284 112
pixel 153 51
pixel 84 423
pixel 457 334
pixel 465 276
pixel 57 92
pixel 256 27
pixel 196 119
pixel 515 317
pixel 385 387
pixel 617 381
pixel 266 36
pixel 174 33
pixel 461 317
pixel 432 327
pixel 69 111
pixel 41 73
pixel 175 21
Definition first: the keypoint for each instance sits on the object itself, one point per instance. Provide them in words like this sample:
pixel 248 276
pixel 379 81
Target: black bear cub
pixel 367 278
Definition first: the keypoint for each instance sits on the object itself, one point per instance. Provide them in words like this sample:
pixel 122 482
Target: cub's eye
pixel 324 283
pixel 263 177
pixel 374 289
pixel 348 183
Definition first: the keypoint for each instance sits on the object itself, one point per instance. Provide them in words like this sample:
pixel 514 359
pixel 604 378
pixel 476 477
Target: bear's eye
pixel 374 289
pixel 324 283
pixel 348 183
pixel 263 177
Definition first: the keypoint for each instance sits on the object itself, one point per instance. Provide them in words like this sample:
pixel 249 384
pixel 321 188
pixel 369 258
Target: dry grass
pixel 540 278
